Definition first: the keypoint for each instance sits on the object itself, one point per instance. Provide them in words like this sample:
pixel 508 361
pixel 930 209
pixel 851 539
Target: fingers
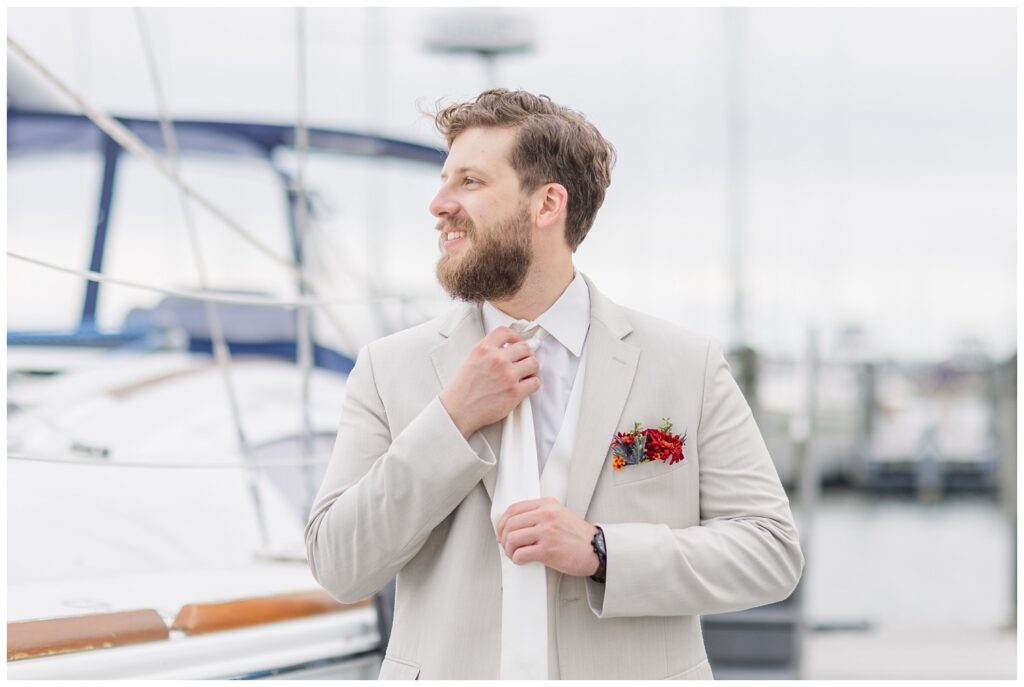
pixel 518 351
pixel 514 510
pixel 517 522
pixel 527 367
pixel 503 335
pixel 528 386
pixel 528 554
pixel 536 530
pixel 519 508
pixel 516 539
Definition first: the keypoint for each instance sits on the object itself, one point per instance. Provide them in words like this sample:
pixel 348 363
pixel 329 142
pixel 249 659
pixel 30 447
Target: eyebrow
pixel 461 170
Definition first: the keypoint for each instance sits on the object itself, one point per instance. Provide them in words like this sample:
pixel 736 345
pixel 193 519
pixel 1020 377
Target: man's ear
pixel 554 201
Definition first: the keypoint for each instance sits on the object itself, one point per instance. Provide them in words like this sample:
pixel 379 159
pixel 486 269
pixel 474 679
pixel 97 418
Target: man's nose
pixel 443 205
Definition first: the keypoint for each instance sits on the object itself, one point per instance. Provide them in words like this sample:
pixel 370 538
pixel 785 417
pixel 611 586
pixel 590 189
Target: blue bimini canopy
pixel 36 132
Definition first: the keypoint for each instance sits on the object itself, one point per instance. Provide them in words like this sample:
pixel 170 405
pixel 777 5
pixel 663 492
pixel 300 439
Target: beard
pixel 494 264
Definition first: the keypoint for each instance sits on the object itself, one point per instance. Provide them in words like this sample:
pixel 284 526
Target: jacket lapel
pixel 461 331
pixel 610 367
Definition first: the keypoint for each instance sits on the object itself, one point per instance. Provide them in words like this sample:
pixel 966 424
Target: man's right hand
pixel 492 381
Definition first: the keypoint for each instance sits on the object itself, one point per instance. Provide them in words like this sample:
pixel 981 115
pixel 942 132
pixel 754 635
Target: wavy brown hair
pixel 553 145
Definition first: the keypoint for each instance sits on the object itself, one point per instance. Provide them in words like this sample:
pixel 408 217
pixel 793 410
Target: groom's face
pixel 484 218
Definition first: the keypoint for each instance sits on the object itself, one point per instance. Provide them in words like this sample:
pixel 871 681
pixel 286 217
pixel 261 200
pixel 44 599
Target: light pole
pixel 487 33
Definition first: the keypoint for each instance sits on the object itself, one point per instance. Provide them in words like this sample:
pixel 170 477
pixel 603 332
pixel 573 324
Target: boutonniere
pixel 645 445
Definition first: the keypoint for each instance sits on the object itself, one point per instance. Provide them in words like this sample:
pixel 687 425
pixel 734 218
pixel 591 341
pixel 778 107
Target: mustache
pixel 455 225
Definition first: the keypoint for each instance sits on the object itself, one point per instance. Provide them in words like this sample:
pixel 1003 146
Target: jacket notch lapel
pixel 611 366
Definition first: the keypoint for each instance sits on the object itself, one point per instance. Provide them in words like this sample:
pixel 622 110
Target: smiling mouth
pixel 448 239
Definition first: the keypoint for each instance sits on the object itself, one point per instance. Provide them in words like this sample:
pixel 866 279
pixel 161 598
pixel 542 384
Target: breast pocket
pixel 643 471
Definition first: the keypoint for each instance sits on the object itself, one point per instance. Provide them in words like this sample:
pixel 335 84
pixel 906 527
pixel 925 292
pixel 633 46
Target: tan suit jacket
pixel 406 494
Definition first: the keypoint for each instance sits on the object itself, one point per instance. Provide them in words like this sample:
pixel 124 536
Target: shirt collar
pixel 567 320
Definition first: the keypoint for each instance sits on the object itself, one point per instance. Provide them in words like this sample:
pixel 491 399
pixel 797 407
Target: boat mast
pixel 736 170
pixel 304 320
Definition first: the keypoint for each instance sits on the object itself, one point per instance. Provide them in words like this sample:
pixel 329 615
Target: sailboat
pixel 160 469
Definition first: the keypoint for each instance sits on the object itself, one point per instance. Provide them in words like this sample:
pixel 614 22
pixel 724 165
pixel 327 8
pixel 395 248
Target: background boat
pixel 157 495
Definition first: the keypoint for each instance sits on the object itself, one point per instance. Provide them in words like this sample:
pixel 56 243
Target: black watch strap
pixel 602 555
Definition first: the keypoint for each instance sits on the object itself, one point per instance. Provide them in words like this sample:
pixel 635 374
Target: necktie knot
pixel 532 332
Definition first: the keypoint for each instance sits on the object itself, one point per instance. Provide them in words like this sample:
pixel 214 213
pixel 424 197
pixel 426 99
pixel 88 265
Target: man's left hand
pixel 546 531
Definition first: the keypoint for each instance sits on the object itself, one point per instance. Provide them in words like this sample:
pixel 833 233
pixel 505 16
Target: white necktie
pixel 524 608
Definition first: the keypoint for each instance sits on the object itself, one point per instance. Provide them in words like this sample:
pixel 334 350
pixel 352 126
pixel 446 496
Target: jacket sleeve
pixel 746 550
pixel 382 496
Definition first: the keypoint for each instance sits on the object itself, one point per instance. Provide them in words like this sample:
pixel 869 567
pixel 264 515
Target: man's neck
pixel 538 293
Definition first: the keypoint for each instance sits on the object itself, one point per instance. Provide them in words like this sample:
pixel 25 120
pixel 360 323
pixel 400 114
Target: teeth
pixel 452 235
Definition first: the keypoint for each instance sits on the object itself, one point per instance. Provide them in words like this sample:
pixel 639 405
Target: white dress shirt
pixel 567 322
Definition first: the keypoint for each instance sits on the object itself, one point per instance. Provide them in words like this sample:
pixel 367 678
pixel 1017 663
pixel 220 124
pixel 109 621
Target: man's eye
pixel 470 180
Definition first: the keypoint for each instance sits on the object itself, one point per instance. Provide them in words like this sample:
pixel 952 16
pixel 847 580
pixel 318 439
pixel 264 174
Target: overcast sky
pixel 878 146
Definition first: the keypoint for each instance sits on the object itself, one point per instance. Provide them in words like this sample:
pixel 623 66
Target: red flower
pixel 664 446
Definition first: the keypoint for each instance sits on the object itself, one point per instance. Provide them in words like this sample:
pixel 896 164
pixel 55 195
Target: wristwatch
pixel 602 555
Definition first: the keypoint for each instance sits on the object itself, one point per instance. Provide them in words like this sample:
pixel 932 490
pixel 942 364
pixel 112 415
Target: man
pixel 635 530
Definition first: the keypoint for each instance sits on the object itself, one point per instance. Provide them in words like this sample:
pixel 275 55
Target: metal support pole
pixel 808 480
pixel 303 317
pixel 111 156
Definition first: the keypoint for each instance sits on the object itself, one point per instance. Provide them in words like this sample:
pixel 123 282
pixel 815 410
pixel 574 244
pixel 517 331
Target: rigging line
pixel 132 143
pixel 304 317
pixel 324 252
pixel 210 296
pixel 92 462
pixel 219 343
pixel 330 256
pixel 170 142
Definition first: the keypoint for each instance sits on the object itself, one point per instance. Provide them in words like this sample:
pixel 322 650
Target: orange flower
pixel 619 462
